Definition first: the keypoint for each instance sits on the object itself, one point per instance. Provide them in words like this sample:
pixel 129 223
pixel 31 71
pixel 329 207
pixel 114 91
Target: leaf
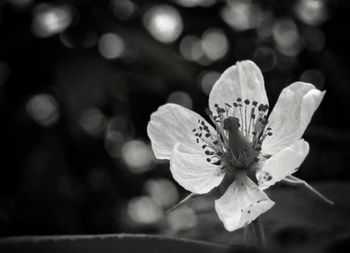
pixel 105 243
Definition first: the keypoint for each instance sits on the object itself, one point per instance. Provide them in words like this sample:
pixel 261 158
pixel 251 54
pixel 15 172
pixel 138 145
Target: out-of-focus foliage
pixel 79 80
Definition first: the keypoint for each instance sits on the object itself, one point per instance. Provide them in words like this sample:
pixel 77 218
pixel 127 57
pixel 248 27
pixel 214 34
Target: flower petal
pixel 191 170
pixel 283 164
pixel 291 115
pixel 243 80
pixel 242 203
pixel 170 124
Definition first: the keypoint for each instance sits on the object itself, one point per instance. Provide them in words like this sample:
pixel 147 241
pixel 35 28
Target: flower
pixel 243 152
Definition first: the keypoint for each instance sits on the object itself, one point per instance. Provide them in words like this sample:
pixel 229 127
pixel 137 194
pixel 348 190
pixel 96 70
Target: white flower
pixel 242 152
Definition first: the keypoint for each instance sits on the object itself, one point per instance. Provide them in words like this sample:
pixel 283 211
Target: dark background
pixel 79 80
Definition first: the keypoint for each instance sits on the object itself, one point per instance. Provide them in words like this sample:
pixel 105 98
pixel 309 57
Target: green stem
pixel 259 232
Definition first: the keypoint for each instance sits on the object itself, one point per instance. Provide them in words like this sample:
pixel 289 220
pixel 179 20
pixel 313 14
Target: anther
pixel 218 162
pixel 220 110
pixel 239 99
pixel 247 101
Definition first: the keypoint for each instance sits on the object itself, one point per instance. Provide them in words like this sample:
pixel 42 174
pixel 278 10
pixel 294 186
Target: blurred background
pixel 80 78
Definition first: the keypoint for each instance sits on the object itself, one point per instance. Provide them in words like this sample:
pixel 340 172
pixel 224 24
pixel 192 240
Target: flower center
pixel 240 131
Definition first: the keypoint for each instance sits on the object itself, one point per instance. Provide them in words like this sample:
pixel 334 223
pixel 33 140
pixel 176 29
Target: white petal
pixel 282 164
pixel 191 170
pixel 242 203
pixel 243 80
pixel 170 124
pixel 291 115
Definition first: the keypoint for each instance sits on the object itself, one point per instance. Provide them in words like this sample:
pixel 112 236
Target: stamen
pixel 241 113
pixel 239 133
pixel 251 118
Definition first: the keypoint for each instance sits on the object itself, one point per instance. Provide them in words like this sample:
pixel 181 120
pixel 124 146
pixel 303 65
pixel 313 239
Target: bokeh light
pixel 207 79
pixel 214 44
pixel 43 109
pixel 84 39
pixel 163 22
pixel 240 14
pixel 313 76
pixel 182 218
pixel 196 3
pixel 311 12
pixel 191 48
pixel 137 155
pixel 162 191
pixel 114 141
pixel 111 46
pixel 120 124
pixel 144 211
pixel 180 98
pixel 4 73
pixel 49 20
pixel 93 122
pixel 118 131
pixel 286 36
pixel 264 25
pixel 123 9
pixel 21 3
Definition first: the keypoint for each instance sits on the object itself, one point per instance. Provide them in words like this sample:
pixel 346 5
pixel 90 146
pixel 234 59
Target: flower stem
pixel 181 202
pixel 259 232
